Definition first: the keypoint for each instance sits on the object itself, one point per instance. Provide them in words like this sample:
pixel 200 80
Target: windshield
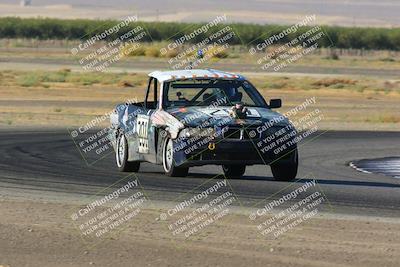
pixel 210 92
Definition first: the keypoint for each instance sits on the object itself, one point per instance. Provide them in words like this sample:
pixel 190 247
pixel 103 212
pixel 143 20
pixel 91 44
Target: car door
pixel 145 130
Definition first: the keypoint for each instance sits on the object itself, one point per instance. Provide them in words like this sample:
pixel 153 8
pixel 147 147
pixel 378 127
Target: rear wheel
pixel 121 156
pixel 234 171
pixel 168 161
pixel 286 169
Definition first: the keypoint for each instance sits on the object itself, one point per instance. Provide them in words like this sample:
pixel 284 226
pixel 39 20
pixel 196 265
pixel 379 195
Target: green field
pixel 247 34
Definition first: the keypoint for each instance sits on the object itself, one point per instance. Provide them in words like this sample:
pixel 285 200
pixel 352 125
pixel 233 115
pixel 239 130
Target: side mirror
pixel 275 103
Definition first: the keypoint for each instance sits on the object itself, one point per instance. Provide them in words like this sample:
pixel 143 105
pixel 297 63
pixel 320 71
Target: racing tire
pixel 121 156
pixel 234 171
pixel 286 170
pixel 168 161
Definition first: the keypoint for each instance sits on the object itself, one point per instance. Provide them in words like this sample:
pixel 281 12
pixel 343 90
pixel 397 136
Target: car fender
pixel 166 121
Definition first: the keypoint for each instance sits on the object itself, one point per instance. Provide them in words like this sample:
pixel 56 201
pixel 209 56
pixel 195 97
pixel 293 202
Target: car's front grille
pixel 232 133
pixel 240 133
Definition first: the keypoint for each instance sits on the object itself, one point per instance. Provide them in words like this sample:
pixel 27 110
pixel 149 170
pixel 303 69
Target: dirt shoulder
pixel 40 234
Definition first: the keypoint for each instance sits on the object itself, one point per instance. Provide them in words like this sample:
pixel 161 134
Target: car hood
pixel 195 116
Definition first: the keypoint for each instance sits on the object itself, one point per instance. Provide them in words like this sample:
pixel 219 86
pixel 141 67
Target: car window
pixel 207 92
pixel 151 95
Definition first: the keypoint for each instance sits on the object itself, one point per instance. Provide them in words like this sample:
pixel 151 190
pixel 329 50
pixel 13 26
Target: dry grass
pixel 66 78
pixel 234 54
pixel 368 85
pixel 384 119
pixel 333 82
pixel 66 98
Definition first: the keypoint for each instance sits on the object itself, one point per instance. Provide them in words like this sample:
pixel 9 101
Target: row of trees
pixel 245 34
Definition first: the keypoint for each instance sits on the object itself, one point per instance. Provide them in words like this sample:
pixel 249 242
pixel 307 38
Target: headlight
pixel 196 132
pixel 185 132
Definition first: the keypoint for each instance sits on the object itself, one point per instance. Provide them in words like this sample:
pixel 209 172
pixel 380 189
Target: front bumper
pixel 227 152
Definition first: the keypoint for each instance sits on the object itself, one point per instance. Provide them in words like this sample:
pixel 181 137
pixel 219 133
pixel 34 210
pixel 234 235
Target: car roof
pixel 173 75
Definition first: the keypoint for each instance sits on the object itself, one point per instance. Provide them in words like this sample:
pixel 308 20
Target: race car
pixel 202 117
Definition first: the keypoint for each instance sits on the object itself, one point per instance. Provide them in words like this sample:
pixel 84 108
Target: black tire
pixel 121 156
pixel 168 163
pixel 286 169
pixel 234 171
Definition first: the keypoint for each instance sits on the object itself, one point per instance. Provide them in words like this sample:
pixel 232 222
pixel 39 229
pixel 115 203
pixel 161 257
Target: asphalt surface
pixel 388 166
pixel 47 161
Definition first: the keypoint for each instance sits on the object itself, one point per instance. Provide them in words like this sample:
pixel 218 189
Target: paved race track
pixel 47 162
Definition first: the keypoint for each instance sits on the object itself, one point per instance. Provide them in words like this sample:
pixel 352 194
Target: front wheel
pixel 121 156
pixel 286 168
pixel 234 171
pixel 168 161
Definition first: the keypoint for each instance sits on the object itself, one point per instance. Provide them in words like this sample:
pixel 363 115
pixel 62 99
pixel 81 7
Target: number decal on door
pixel 142 128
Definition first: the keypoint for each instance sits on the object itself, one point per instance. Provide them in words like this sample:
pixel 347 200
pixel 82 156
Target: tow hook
pixel 211 146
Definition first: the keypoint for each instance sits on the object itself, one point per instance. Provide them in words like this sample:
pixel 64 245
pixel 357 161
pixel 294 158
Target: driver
pixel 233 95
pixel 181 97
